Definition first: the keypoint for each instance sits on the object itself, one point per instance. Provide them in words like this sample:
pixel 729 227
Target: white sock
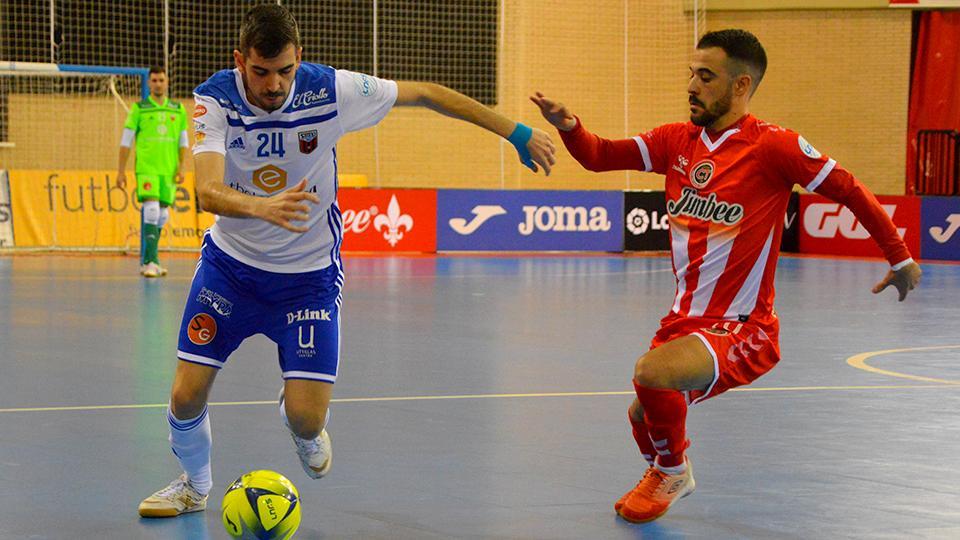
pixel 672 471
pixel 190 441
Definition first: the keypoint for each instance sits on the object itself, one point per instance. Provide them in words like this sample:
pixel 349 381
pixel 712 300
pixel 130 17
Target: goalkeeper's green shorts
pixel 155 186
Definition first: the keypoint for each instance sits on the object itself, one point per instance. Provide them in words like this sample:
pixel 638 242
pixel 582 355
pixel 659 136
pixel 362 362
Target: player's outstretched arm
pixel 905 279
pixel 533 145
pixel 554 112
pixel 593 152
pixel 282 209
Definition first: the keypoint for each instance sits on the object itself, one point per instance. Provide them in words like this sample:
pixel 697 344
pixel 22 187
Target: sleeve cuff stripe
pixel 902 264
pixel 821 176
pixel 645 152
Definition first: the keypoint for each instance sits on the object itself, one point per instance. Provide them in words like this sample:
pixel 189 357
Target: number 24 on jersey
pixel 270 144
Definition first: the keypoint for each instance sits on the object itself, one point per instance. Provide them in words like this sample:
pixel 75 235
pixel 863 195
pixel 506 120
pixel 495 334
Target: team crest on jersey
pixel 308 141
pixel 807 148
pixel 701 173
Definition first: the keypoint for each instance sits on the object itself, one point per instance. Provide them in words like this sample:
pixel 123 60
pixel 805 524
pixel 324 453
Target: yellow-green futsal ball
pixel 261 505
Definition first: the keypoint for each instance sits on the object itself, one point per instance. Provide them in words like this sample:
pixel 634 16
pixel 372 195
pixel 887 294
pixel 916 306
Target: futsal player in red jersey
pixel 728 180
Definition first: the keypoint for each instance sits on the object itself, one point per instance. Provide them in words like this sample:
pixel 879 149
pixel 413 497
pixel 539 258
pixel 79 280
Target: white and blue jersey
pixel 253 276
pixel 268 152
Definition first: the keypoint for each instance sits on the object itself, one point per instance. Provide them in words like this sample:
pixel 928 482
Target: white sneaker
pixel 316 455
pixel 151 270
pixel 177 498
pixel 162 270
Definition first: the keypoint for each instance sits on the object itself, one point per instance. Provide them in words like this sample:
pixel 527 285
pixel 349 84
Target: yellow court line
pixel 477 396
pixel 859 361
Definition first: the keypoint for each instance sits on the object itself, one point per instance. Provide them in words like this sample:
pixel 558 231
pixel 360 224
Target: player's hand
pixel 122 180
pixel 905 280
pixel 542 151
pixel 554 112
pixel 288 206
pixel 179 177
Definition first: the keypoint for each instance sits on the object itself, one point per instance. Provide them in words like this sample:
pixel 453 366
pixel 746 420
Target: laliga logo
pixel 825 220
pixel 393 221
pixel 943 236
pixel 638 221
pixel 270 178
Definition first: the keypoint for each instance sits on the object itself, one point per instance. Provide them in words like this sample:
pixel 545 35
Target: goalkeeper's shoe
pixel 151 270
pixel 177 498
pixel 316 455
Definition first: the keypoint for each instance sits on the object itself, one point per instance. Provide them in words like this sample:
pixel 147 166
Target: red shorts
pixel 741 352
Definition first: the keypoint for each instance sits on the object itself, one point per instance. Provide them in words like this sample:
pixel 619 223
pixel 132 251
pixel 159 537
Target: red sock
pixel 665 414
pixel 642 435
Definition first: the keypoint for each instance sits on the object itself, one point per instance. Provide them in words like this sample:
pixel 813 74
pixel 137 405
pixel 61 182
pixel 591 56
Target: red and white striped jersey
pixel 727 194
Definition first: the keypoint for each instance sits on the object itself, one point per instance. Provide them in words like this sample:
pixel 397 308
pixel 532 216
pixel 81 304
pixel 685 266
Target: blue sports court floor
pixel 485 397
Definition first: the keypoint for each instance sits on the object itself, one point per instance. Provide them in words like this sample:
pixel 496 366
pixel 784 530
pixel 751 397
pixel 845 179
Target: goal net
pixel 621 65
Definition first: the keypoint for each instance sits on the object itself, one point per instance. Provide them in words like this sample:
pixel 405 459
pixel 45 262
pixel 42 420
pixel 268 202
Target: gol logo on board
pixel 270 178
pixel 202 329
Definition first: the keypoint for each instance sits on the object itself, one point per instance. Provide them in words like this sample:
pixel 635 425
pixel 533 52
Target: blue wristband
pixel 519 138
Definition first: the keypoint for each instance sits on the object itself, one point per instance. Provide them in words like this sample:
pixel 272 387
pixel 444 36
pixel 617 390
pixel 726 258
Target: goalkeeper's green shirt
pixel 157 128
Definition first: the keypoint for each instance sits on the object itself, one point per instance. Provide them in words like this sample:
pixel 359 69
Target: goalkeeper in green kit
pixel 159 126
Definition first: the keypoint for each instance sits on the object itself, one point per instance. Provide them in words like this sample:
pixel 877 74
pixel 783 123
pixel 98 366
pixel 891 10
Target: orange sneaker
pixel 655 494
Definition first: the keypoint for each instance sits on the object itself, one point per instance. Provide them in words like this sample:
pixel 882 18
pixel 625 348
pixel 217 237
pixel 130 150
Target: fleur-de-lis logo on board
pixel 393 221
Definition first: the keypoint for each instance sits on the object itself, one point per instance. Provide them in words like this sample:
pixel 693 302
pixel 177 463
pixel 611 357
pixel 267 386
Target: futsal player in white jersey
pixel 266 164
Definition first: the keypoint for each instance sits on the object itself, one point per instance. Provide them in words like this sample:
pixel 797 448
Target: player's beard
pixel 268 99
pixel 711 113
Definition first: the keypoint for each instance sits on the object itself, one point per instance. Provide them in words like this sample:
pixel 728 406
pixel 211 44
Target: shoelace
pixel 307 446
pixel 174 486
pixel 652 487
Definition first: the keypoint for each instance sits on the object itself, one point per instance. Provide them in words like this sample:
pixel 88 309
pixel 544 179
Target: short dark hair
pixel 157 68
pixel 741 47
pixel 268 29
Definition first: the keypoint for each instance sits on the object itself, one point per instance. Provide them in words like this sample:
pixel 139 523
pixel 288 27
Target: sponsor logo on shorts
pixel 754 343
pixel 302 315
pixel 202 329
pixel 216 301
pixel 717 331
pixel 270 178
pixel 306 342
pixel 199 111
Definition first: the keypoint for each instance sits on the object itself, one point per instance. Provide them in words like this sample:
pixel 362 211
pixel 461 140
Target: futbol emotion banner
pixel 82 208
pixel 474 220
pixel 940 228
pixel 389 219
pixel 829 228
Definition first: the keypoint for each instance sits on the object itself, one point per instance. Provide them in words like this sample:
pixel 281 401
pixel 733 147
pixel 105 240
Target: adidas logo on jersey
pixel 237 144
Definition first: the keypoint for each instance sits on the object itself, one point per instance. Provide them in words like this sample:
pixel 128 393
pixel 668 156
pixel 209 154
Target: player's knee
pixel 187 401
pixel 151 212
pixel 635 411
pixel 647 375
pixel 304 421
